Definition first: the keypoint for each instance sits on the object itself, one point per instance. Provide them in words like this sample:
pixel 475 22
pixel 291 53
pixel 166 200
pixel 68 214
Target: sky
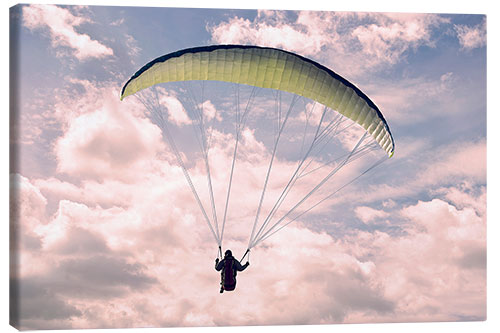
pixel 110 235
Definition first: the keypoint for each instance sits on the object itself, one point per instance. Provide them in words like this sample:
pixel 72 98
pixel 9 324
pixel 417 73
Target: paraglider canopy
pixel 279 71
pixel 266 68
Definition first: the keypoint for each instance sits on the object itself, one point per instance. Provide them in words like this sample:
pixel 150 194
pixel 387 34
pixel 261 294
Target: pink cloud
pixel 461 160
pixel 372 39
pixel 92 192
pixel 167 250
pixel 471 37
pixel 438 248
pixel 400 100
pixel 27 211
pixel 209 111
pixel 394 34
pixel 106 141
pixel 459 197
pixel 366 277
pixel 126 208
pixel 450 166
pixel 239 30
pixel 31 202
pixel 61 24
pixel 367 214
pixel 176 112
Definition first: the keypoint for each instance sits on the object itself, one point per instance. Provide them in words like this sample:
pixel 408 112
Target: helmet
pixel 228 253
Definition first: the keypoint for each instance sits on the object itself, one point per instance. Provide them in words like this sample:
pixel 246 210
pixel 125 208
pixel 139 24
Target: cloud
pixel 415 100
pixel 132 45
pixel 368 214
pixel 176 112
pixel 61 25
pixel 147 232
pixel 90 191
pixel 113 237
pixel 54 300
pixel 118 22
pixel 369 40
pixel 471 37
pixel 99 277
pixel 38 306
pixel 142 242
pixel 391 35
pixel 75 260
pixel 27 211
pixel 110 140
pixel 452 170
pixel 160 280
pixel 123 237
pixel 83 242
pixel 440 244
pixel 30 202
pixel 460 196
pixel 210 111
pixel 260 32
pixel 466 161
pixel 151 253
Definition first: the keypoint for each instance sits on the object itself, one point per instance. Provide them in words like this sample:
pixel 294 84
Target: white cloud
pixel 132 46
pixel 406 101
pixel 393 34
pixel 368 40
pixel 239 30
pixel 27 211
pixel 464 161
pixel 460 196
pixel 118 22
pixel 421 269
pixel 109 141
pixel 92 192
pixel 61 24
pixel 165 262
pixel 424 170
pixel 135 211
pixel 368 214
pixel 125 208
pixel 209 111
pixel 471 37
pixel 350 137
pixel 176 112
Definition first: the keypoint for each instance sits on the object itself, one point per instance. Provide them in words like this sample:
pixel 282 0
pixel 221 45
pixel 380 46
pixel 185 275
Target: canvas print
pixel 187 167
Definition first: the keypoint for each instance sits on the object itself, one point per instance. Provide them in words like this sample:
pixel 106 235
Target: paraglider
pixel 290 79
pixel 229 268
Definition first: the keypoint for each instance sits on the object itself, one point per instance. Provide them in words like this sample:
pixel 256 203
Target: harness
pixel 228 275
